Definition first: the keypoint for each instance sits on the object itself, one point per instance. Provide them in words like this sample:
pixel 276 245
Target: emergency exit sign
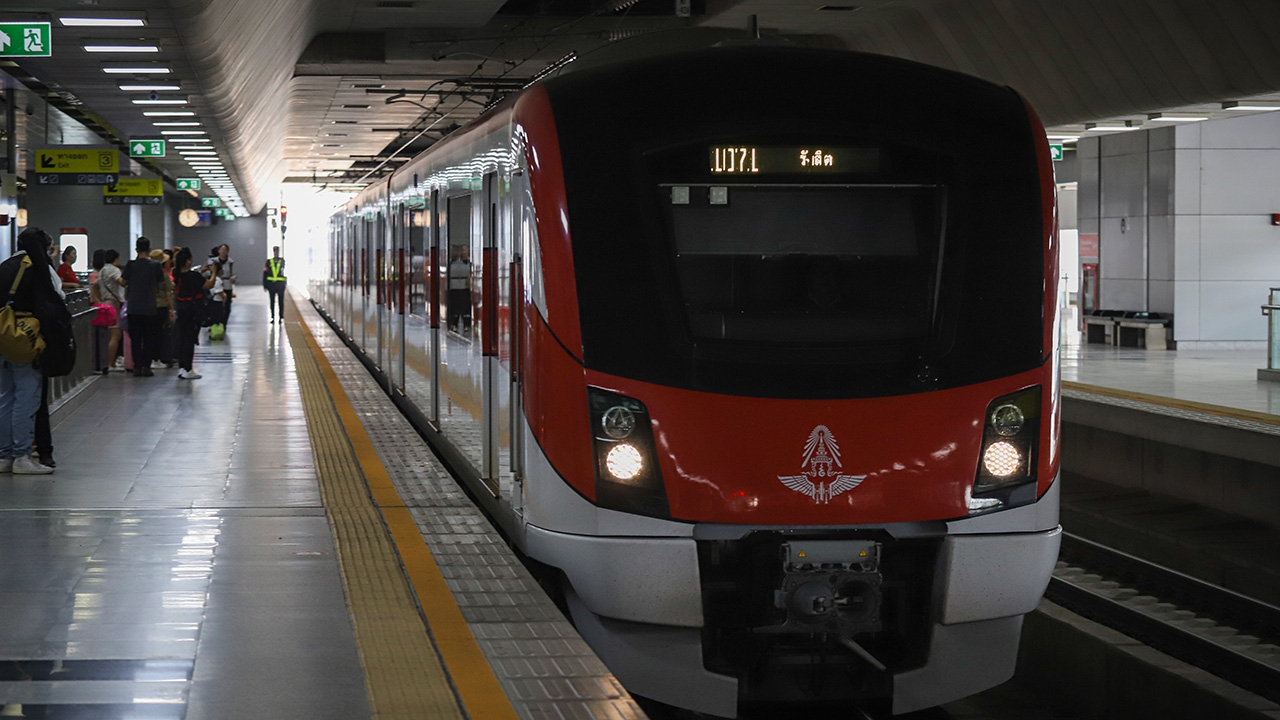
pixel 188 183
pixel 146 148
pixel 25 39
pixel 210 202
pixel 1055 151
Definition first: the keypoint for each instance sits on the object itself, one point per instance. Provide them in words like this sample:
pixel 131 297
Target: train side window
pixel 529 248
pixel 416 227
pixel 458 315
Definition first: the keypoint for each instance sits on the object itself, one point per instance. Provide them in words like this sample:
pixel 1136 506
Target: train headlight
pixel 624 461
pixel 1006 463
pixel 1007 420
pixel 1001 459
pixel 618 422
pixel 628 478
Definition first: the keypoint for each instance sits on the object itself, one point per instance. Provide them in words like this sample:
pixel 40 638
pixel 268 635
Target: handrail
pixel 1273 329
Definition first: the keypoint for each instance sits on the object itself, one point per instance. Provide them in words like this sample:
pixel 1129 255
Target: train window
pixel 809 265
pixel 458 311
pixel 416 226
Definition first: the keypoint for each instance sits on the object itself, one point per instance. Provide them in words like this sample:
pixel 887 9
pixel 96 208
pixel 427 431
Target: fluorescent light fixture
pixel 184 123
pixel 161 101
pixel 1233 105
pixel 101 22
pixel 1163 117
pixel 1092 127
pixel 169 113
pixel 1063 137
pixel 121 48
pixel 198 152
pixel 183 132
pixel 136 70
pixel 145 88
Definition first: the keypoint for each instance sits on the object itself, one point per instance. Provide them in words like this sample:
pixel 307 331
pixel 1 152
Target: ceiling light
pixel 1254 108
pixel 134 70
pixel 101 22
pixel 121 48
pixel 178 141
pixel 169 113
pixel 1094 127
pixel 145 88
pixel 183 132
pixel 161 101
pixel 188 123
pixel 1064 138
pixel 1163 117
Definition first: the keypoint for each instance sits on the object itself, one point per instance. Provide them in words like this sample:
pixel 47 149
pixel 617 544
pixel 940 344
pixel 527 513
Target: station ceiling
pixel 337 92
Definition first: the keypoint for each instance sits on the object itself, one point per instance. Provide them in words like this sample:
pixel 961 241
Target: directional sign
pixel 1055 151
pixel 25 39
pixel 210 202
pixel 222 213
pixel 188 183
pixel 146 148
pixel 77 166
pixel 134 191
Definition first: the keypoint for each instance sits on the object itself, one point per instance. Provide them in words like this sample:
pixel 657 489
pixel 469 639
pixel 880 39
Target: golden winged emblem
pixel 820 476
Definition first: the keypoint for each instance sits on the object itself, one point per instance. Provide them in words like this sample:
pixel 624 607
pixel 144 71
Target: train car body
pixel 769 373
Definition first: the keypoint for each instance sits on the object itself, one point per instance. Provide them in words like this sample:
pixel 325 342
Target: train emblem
pixel 820 476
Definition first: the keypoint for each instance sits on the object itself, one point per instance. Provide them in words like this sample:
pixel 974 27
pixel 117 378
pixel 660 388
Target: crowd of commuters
pixel 149 316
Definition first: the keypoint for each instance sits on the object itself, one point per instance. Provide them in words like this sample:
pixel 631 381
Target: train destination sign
pixel 134 191
pixel 77 166
pixel 776 160
pixel 25 39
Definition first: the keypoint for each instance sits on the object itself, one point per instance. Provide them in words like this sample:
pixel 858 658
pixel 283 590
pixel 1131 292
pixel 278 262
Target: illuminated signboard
pixel 775 160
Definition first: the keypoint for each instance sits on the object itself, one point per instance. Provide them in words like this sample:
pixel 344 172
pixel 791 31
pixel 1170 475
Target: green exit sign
pixel 25 39
pixel 188 183
pixel 210 202
pixel 222 213
pixel 146 148
pixel 1055 151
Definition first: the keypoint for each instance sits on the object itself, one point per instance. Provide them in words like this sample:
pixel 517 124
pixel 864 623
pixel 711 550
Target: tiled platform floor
pixel 1217 377
pixel 179 562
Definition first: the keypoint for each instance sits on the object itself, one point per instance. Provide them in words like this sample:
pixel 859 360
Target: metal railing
pixel 82 313
pixel 1273 328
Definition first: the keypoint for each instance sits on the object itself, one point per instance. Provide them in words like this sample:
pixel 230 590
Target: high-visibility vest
pixel 275 266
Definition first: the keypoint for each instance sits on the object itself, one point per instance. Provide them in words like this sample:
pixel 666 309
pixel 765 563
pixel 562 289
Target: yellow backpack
pixel 20 339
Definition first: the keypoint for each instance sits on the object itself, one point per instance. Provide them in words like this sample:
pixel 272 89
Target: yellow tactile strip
pixel 1189 405
pixel 403 671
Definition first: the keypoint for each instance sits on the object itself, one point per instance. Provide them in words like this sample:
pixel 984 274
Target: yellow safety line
pixel 482 695
pixel 1223 411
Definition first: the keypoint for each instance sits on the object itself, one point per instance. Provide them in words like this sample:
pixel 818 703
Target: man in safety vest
pixel 273 280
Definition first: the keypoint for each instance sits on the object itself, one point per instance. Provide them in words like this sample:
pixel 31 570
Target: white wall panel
pixel 1186 310
pixel 1236 247
pixel 1186 177
pixel 1160 247
pixel 1229 311
pixel 1186 247
pixel 1124 294
pixel 1123 253
pixel 1160 293
pixel 1239 182
pixel 1260 131
pixel 1124 186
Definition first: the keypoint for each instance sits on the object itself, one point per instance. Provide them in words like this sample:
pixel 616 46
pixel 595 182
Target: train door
pixel 362 239
pixel 396 297
pixel 379 228
pixel 495 391
pixel 435 287
pixel 460 366
pixel 418 370
pixel 507 380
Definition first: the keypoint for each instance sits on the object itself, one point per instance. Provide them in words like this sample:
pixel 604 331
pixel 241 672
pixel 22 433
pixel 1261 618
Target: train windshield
pixel 835 237
pixel 778 264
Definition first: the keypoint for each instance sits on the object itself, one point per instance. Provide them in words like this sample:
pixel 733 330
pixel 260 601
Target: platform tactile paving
pixel 543 665
pixel 1174 412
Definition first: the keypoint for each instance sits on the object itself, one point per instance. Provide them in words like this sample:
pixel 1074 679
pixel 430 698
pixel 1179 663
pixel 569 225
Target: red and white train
pixel 757 346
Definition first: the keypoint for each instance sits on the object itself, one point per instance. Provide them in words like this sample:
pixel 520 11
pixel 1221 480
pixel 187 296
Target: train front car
pixel 793 418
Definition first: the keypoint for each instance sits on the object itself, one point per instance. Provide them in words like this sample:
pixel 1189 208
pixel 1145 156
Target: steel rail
pixel 1222 660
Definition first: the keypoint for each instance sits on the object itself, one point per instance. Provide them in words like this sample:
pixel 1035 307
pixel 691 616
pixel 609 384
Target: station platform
pixel 1222 382
pixel 270 541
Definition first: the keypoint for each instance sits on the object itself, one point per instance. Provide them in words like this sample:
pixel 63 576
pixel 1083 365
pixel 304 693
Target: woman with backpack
pixel 190 288
pixel 28 287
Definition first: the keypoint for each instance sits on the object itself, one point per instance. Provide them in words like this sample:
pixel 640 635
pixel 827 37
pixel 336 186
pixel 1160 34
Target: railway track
pixel 1230 635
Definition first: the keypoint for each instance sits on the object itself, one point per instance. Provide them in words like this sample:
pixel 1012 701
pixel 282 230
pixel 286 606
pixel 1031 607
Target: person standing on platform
pixel 112 294
pixel 163 355
pixel 189 288
pixel 141 279
pixel 228 280
pixel 66 276
pixel 20 383
pixel 44 433
pixel 274 281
